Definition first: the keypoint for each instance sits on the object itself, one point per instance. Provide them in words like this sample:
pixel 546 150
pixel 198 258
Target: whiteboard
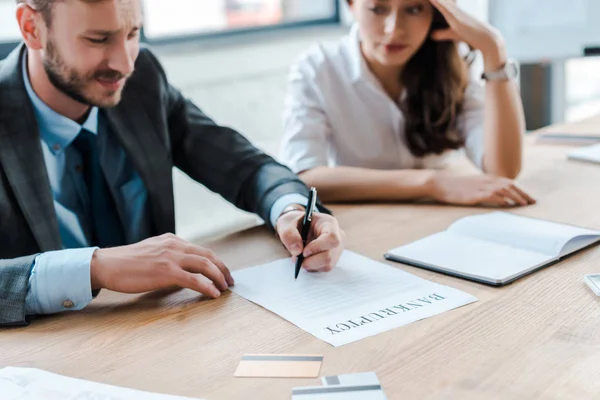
pixel 547 30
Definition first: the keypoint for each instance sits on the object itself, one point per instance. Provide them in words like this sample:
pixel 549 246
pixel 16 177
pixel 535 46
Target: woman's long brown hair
pixel 435 80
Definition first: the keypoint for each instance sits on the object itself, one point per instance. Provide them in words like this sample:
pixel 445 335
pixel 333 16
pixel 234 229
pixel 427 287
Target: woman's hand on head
pixel 466 28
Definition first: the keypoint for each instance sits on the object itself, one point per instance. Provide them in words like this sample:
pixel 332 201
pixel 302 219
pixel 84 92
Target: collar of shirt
pixel 359 67
pixel 358 64
pixel 56 130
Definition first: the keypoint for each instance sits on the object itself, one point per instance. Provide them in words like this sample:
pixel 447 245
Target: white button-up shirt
pixel 338 114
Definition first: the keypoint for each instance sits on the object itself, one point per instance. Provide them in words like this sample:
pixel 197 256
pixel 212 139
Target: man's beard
pixel 72 83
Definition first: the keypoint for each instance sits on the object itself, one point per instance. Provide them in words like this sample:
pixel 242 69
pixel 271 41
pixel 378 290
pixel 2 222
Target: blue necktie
pixel 106 227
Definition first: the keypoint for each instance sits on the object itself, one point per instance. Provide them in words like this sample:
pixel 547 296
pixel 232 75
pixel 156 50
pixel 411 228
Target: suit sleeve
pixel 222 159
pixel 14 281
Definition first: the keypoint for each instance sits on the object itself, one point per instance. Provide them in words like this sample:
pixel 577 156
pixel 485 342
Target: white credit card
pixel 360 379
pixel 339 392
pixel 593 281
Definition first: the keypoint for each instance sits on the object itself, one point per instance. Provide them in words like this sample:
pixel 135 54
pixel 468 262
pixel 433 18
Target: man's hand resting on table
pixel 157 263
pixel 167 260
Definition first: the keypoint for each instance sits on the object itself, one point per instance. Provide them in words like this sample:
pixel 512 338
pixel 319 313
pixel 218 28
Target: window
pixel 172 18
pixel 583 88
pixel 9 30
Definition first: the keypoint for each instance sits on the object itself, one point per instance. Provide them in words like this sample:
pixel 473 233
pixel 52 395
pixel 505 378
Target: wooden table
pixel 536 338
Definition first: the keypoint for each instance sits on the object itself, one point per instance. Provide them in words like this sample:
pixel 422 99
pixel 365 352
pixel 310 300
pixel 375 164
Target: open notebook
pixel 495 248
pixel 587 154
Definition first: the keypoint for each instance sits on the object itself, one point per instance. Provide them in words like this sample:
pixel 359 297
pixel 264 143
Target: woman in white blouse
pixel 376 115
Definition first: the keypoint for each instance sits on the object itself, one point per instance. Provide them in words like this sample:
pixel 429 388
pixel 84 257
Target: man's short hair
pixel 42 6
pixel 45 7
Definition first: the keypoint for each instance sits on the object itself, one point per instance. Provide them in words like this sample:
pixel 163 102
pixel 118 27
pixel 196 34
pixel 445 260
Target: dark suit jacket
pixel 159 129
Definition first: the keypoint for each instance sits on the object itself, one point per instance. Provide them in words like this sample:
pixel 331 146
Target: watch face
pixel 512 69
pixel 509 71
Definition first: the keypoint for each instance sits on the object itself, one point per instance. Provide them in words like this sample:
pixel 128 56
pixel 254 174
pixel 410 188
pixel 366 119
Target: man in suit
pixel 90 130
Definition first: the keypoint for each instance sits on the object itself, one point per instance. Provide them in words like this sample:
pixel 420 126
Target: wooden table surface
pixel 536 338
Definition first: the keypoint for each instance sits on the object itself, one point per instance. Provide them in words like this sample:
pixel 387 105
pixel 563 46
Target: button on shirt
pixel 338 114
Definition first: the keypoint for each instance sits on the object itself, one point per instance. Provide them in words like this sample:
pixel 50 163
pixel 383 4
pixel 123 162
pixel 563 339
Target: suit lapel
pixel 131 125
pixel 21 155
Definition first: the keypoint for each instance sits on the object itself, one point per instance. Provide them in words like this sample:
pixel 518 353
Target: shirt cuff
pixel 305 164
pixel 60 281
pixel 283 202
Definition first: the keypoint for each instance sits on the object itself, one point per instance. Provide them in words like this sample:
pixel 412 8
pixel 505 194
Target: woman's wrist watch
pixel 509 71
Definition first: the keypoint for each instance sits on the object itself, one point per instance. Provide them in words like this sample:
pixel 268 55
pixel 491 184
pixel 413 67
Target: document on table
pixel 358 299
pixel 35 384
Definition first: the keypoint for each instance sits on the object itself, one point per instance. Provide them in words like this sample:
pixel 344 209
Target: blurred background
pixel 231 57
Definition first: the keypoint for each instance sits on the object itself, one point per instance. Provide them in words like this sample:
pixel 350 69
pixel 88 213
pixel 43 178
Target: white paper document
pixel 35 384
pixel 358 299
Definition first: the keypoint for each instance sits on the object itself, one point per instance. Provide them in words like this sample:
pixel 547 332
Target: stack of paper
pixel 359 298
pixel 34 384
pixel 568 139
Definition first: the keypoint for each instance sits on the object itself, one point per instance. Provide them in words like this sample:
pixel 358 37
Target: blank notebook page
pixel 471 256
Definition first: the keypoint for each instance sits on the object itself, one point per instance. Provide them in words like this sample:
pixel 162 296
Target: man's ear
pixel 29 24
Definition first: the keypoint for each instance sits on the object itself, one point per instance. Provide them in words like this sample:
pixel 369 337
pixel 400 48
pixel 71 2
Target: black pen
pixel 310 209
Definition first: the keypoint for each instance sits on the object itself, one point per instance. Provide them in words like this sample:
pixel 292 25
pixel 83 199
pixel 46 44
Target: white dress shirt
pixel 338 114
